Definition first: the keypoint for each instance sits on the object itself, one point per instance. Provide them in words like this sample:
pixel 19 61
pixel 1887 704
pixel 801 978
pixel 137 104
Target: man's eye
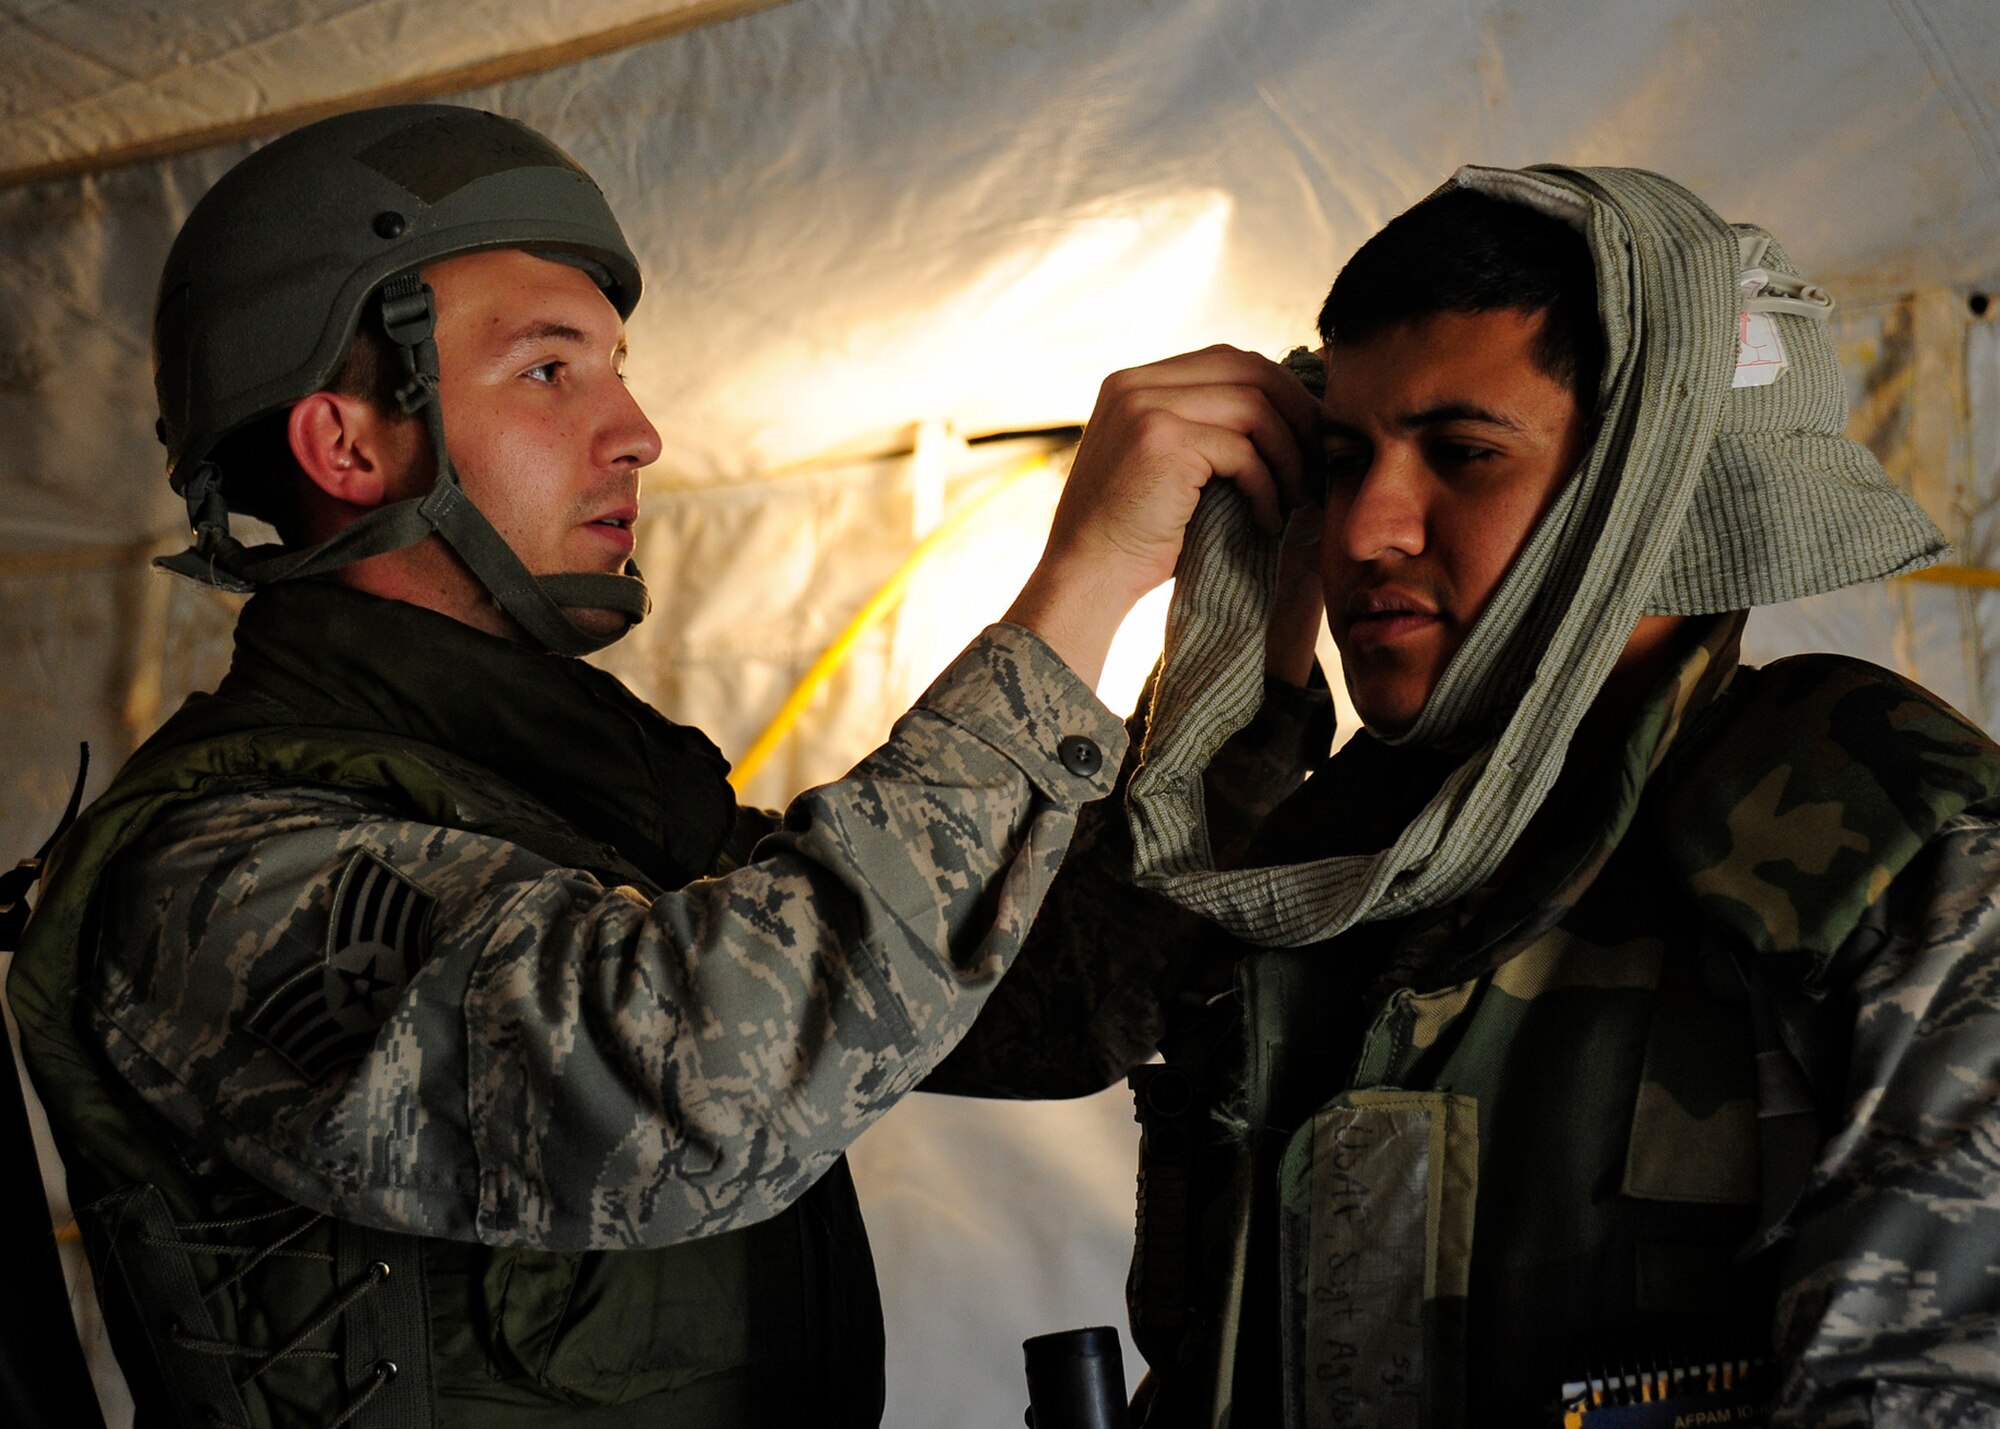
pixel 1451 454
pixel 1312 481
pixel 1344 467
pixel 543 371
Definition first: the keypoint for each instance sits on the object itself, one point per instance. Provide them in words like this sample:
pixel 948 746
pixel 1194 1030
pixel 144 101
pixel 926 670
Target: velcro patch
pixel 378 935
pixel 435 158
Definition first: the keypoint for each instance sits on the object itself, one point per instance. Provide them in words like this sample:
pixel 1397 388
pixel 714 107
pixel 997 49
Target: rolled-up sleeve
pixel 440 1031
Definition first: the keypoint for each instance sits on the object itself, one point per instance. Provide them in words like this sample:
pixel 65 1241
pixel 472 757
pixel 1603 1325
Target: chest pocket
pixel 1694 1119
pixel 1615 1088
pixel 1375 1205
pixel 613 1328
pixel 1694 1161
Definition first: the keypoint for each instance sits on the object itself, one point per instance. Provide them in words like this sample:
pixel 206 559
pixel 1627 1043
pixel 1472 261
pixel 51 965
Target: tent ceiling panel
pixel 856 216
pixel 96 82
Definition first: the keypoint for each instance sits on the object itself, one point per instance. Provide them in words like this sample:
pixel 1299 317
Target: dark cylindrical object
pixel 1076 1380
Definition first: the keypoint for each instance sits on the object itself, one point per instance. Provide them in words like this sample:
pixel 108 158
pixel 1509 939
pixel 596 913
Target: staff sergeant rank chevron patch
pixel 378 935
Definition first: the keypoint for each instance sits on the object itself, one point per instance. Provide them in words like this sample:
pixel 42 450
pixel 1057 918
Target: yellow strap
pixel 1979 576
pixel 870 615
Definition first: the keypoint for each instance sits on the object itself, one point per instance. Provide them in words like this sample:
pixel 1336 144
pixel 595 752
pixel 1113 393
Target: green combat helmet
pixel 295 247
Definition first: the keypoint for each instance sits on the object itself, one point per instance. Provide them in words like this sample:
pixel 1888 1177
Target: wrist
pixel 1076 608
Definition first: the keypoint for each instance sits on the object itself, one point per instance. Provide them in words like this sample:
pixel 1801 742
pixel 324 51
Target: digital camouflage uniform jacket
pixel 1711 1069
pixel 395 989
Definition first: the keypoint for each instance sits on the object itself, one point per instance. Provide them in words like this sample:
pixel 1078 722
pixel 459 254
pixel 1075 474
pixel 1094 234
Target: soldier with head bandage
pixel 1586 1030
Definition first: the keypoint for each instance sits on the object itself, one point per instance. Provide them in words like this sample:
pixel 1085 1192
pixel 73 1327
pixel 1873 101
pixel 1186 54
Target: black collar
pixel 321 654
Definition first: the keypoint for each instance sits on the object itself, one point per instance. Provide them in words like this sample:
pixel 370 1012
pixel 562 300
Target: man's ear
pixel 343 446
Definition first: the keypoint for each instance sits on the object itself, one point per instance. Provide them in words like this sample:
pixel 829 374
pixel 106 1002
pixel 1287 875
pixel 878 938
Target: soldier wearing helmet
pixel 1606 1033
pixel 322 238
pixel 429 1036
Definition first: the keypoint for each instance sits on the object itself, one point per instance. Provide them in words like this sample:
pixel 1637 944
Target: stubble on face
pixel 546 441
pixel 1446 444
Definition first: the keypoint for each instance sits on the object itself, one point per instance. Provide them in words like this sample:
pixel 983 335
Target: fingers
pixel 1231 390
pixel 1239 410
pixel 1224 366
pixel 1240 459
pixel 1158 436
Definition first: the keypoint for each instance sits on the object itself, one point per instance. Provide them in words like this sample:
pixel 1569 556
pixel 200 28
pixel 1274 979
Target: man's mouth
pixel 1383 616
pixel 616 527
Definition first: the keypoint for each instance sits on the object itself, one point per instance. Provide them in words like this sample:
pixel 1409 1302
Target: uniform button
pixel 1080 756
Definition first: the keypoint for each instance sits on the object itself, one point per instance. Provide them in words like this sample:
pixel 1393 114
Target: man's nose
pixel 629 437
pixel 1385 514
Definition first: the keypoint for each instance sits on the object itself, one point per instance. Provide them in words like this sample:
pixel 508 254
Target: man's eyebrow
pixel 542 330
pixel 549 330
pixel 1444 412
pixel 1457 412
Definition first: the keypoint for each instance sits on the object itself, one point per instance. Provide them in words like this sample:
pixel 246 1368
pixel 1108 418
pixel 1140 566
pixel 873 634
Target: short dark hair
pixel 1464 252
pixel 261 477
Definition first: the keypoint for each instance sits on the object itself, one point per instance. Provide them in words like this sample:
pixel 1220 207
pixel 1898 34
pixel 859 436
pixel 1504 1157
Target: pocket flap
pixel 1694 1118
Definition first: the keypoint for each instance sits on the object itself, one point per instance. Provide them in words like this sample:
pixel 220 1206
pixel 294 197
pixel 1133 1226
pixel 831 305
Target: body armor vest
pixel 1430 1187
pixel 233 1307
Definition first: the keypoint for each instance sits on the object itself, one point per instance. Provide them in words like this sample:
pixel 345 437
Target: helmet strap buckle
pixel 208 512
pixel 409 318
pixel 216 557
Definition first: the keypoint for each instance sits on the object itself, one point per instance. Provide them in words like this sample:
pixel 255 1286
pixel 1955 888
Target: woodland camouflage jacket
pixel 1711 1069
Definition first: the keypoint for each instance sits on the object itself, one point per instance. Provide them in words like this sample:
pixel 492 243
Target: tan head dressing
pixel 1706 489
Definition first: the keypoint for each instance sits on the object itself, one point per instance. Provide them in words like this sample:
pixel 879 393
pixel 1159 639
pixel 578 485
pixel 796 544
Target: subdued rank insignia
pixel 377 937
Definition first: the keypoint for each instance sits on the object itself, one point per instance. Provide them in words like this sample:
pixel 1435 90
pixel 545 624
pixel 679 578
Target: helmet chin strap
pixel 537 604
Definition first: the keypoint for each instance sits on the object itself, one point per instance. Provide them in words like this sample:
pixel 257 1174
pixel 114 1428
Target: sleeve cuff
pixel 1010 690
pixel 1298 717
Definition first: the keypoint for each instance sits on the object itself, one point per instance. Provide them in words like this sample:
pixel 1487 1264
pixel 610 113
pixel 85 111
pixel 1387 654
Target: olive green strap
pixel 1159 1292
pixel 136 1238
pixel 524 596
pixel 217 558
pixel 386 1333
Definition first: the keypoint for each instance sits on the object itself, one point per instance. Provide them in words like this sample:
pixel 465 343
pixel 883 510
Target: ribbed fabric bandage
pixel 1695 497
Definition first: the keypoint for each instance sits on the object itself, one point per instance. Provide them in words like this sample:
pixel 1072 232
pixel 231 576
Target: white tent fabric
pixel 92 83
pixel 871 229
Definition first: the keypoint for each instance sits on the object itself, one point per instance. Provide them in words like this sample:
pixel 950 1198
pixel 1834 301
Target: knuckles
pixel 1115 388
pixel 1156 429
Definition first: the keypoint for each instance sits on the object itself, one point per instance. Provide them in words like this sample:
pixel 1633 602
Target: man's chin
pixel 1387 713
pixel 1387 694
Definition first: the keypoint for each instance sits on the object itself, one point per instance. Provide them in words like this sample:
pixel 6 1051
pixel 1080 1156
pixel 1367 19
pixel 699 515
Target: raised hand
pixel 1158 435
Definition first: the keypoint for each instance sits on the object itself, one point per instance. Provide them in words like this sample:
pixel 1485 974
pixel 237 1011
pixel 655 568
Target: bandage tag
pixel 1760 353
